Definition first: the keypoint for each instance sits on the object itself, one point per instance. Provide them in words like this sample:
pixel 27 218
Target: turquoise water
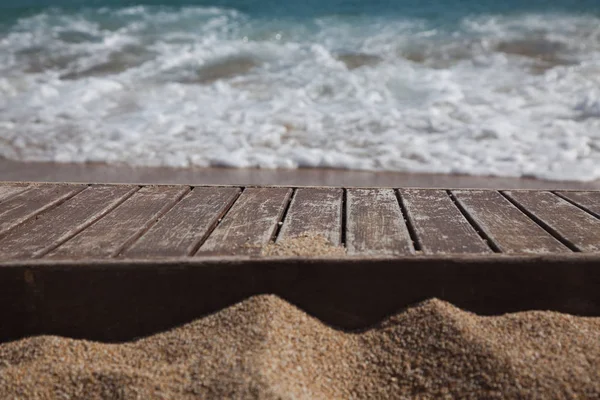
pixel 439 12
pixel 506 88
pixel 439 9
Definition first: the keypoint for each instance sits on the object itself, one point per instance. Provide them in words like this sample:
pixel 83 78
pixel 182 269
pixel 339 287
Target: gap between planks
pixel 47 207
pixel 344 218
pixel 214 226
pixel 406 216
pixel 283 216
pixel 573 202
pixel 210 231
pixel 41 253
pixel 478 229
pixel 412 232
pixel 150 223
pixel 16 192
pixel 551 231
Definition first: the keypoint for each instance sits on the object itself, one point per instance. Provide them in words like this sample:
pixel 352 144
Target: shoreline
pixel 105 173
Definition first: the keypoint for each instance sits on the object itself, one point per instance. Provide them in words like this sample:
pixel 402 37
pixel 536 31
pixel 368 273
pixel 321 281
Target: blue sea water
pixel 435 9
pixel 506 88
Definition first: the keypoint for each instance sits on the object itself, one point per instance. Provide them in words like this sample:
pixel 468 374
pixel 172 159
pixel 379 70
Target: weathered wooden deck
pixel 71 251
pixel 79 222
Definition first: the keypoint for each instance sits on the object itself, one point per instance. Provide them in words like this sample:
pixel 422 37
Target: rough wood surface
pixel 317 212
pixel 375 225
pixel 590 201
pixel 51 228
pixel 108 236
pixel 439 225
pixel 7 191
pixel 23 206
pixel 83 222
pixel 509 229
pixel 250 224
pixel 577 227
pixel 186 225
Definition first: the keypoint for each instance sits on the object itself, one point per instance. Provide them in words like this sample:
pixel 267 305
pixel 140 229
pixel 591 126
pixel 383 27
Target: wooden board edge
pixel 39 183
pixel 191 262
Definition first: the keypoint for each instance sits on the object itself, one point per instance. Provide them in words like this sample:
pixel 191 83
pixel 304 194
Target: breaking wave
pixel 506 95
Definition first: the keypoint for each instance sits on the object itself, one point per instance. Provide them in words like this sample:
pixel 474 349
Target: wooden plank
pixel 7 191
pixel 315 211
pixel 439 225
pixel 590 201
pixel 185 225
pixel 108 237
pixel 375 225
pixel 250 224
pixel 578 228
pixel 510 230
pixel 37 236
pixel 28 204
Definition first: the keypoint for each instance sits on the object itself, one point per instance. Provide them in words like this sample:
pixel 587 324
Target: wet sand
pixel 101 173
pixel 264 347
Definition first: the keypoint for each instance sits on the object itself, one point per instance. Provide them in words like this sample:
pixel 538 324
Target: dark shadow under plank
pixel 120 301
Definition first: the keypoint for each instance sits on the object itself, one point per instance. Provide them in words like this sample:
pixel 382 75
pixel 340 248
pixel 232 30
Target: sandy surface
pixel 100 173
pixel 306 245
pixel 266 348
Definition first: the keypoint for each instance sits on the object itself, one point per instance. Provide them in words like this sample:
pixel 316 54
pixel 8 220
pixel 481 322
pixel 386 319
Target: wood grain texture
pixel 509 229
pixel 77 222
pixel 590 201
pixel 439 225
pixel 317 211
pixel 107 237
pixel 375 225
pixel 37 236
pixel 578 228
pixel 250 224
pixel 185 225
pixel 7 191
pixel 28 204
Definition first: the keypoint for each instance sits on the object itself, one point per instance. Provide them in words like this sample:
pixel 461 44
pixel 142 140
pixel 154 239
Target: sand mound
pixel 306 245
pixel 266 348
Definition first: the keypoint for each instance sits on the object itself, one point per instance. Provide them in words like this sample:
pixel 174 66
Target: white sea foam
pixel 516 96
